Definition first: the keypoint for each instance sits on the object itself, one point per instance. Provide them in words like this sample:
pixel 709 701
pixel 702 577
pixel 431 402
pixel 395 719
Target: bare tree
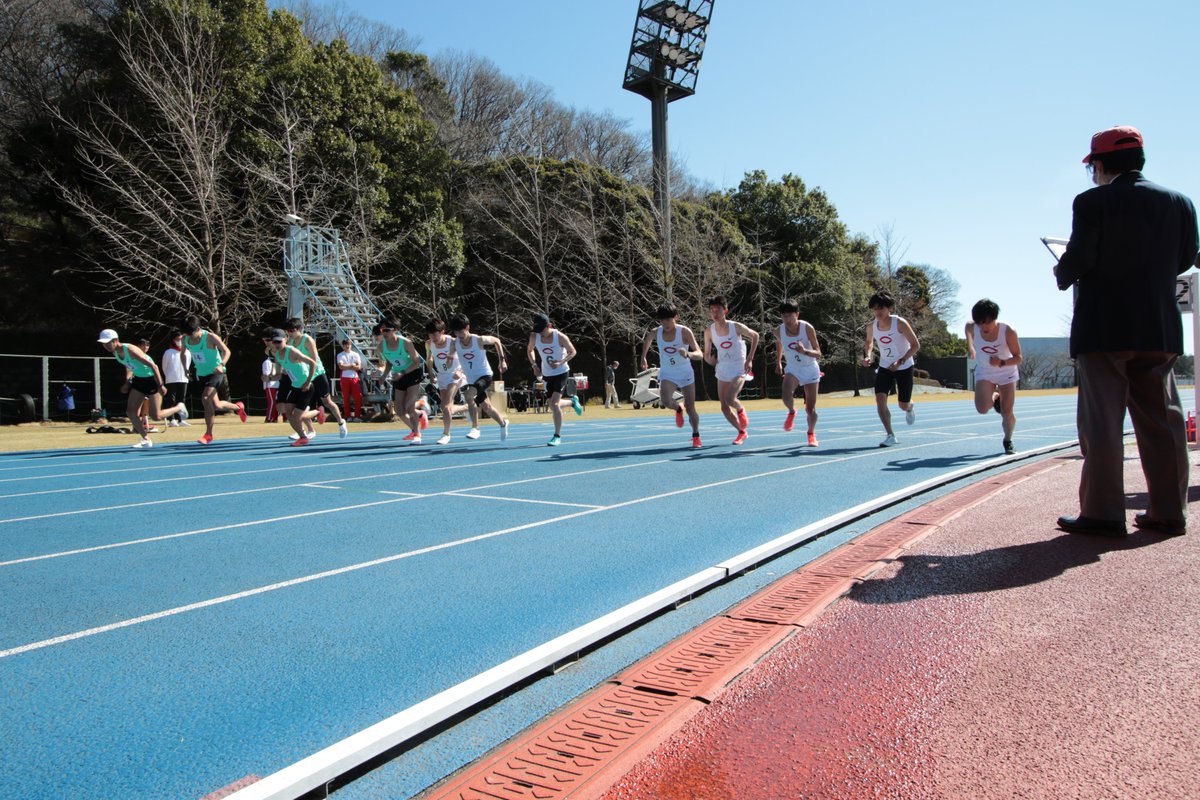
pixel 159 193
pixel 328 22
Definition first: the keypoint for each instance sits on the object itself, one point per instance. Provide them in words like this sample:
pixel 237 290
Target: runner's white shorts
pixel 806 375
pixel 450 379
pixel 680 379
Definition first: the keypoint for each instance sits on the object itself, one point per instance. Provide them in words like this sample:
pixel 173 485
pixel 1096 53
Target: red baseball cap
pixel 1121 137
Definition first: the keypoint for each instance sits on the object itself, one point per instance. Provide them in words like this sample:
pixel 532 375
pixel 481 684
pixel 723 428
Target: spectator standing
pixel 1130 239
pixel 271 372
pixel 349 364
pixel 610 386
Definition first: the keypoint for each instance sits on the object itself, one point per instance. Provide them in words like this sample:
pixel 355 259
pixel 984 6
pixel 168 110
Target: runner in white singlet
pixel 725 349
pixel 996 350
pixel 677 349
pixel 897 345
pixel 448 374
pixel 468 349
pixel 549 350
pixel 796 354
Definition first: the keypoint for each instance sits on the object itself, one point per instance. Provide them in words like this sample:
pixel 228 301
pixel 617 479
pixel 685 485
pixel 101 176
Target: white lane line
pixel 521 500
pixel 318 486
pixel 408 554
pixel 250 523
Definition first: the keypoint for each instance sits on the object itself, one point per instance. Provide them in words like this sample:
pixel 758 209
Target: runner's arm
pixel 495 342
pixel 1014 344
pixel 646 348
pixel 869 347
pixel 914 344
pixel 969 335
pixel 815 352
pixel 531 351
pixel 568 348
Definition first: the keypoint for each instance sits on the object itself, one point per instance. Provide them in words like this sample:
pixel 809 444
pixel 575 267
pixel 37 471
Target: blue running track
pixel 175 619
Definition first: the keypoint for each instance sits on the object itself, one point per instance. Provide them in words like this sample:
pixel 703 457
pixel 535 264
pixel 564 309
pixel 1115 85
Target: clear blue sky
pixel 961 125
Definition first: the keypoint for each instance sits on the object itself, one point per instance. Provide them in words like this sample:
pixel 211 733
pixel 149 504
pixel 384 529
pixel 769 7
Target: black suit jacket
pixel 1129 241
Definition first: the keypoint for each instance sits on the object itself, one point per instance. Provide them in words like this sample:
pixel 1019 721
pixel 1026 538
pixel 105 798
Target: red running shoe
pixel 241 410
pixel 205 439
pixel 812 440
pixel 303 440
pixel 424 419
pixel 696 443
pixel 790 422
pixel 678 417
pixel 409 438
pixel 321 415
pixel 740 438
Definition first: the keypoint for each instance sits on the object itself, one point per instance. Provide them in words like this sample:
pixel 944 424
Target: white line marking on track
pixel 400 556
pixel 521 500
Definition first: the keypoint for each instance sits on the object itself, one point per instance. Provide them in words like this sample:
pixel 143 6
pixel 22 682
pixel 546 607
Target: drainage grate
pixel 796 600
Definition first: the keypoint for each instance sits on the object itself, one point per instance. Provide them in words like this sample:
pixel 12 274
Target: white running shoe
pixel 343 431
pixel 310 435
pixel 910 416
pixel 889 441
pixel 183 423
pixel 473 433
pixel 144 443
pixel 173 423
pixel 504 431
pixel 415 440
pixel 183 415
pixel 293 436
pixel 445 439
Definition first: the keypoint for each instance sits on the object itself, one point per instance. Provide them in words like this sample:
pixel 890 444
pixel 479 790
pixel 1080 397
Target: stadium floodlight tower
pixel 664 62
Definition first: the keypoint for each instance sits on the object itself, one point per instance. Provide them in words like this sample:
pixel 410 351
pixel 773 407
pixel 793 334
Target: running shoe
pixel 321 415
pixel 424 423
pixel 205 439
pixel 740 438
pixel 444 439
pixel 996 403
pixel 1009 450
pixel 812 440
pixel 910 416
pixel 293 436
pixel 790 422
pixel 241 407
pixel 183 416
pixel 343 431
pixel 678 417
pixel 300 442
pixel 151 429
pixel 743 420
pixel 473 433
pixel 415 440
pixel 173 423
pixel 575 405
pixel 696 443
pixel 183 423
pixel 145 443
pixel 889 441
pixel 411 435
pixel 504 431
pixel 555 441
pixel 310 435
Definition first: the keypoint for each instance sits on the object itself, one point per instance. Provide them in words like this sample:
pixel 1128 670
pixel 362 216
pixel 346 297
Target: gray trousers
pixel 1143 382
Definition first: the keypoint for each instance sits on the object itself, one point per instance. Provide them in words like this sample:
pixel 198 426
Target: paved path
pixel 998 658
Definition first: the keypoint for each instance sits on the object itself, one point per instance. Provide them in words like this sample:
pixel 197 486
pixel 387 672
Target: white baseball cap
pixel 107 335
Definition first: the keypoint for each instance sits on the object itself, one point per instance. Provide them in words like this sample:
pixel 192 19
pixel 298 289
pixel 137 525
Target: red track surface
pixel 998 658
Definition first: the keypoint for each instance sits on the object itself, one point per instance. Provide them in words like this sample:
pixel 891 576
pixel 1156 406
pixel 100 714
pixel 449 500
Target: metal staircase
pixel 320 279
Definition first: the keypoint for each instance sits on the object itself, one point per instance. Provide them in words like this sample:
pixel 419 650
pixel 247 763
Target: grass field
pixel 55 435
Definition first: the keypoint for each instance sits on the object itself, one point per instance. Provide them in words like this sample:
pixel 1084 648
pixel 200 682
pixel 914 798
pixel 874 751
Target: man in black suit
pixel 1129 240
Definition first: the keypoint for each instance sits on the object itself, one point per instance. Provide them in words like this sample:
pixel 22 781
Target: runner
pixel 677 349
pixel 295 394
pixel 996 373
pixel 143 383
pixel 401 359
pixel 467 348
pixel 175 364
pixel 349 364
pixel 549 350
pixel 306 344
pixel 796 354
pixel 725 348
pixel 448 377
pixel 211 357
pixel 897 346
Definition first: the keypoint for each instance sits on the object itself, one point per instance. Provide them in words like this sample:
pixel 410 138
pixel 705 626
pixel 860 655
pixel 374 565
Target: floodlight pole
pixel 662 172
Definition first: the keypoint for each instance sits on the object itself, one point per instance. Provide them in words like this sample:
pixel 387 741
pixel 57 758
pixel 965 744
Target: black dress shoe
pixel 1169 527
pixel 1095 527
